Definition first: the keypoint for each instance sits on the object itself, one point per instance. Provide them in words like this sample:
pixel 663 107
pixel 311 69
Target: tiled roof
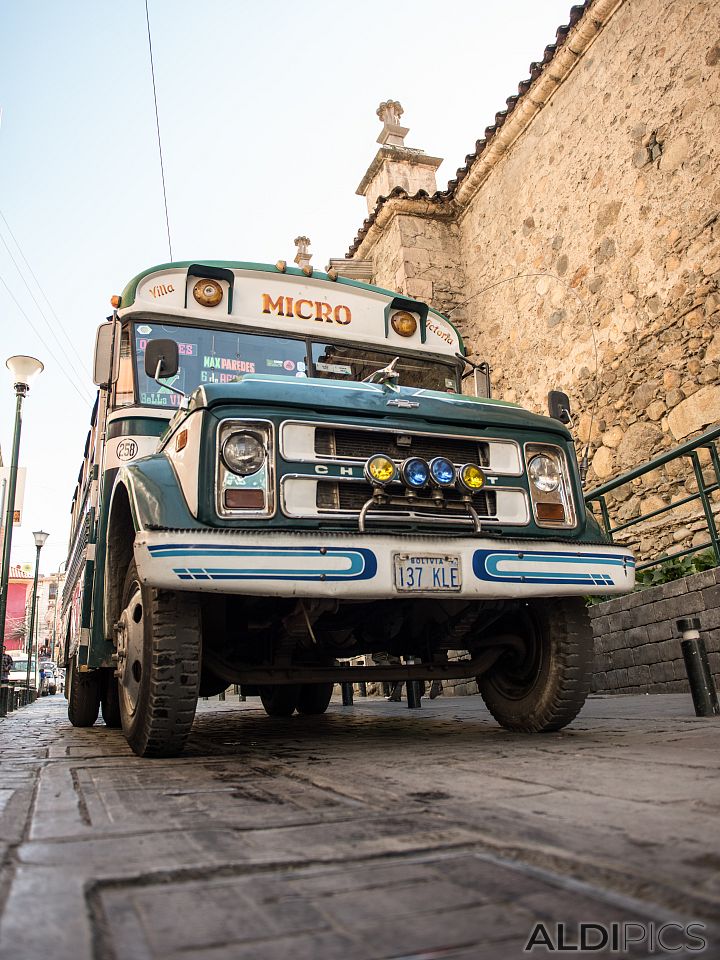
pixel 441 196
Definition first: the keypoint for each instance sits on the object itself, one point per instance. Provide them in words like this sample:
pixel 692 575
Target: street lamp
pixel 23 371
pixel 40 538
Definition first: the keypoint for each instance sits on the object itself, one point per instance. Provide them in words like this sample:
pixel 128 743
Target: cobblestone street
pixel 371 832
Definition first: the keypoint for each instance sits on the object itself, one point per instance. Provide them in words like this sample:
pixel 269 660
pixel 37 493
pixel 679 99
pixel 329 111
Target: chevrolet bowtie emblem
pixel 402 403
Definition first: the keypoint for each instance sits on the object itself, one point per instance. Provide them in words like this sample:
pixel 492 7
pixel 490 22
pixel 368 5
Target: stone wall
pixel 609 199
pixel 637 644
pixel 615 191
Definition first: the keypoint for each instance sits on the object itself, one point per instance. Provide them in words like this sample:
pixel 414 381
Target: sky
pixel 267 119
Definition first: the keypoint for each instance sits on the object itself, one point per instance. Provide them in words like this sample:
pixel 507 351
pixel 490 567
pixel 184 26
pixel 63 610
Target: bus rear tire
pixel 83 696
pixel 314 698
pixel 280 699
pixel 110 701
pixel 159 646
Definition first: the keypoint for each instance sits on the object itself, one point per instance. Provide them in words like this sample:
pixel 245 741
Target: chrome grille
pixel 346 443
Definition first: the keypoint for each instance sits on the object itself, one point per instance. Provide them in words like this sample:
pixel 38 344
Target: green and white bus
pixel 282 474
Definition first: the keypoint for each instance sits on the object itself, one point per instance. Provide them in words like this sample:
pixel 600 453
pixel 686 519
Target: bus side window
pixel 124 388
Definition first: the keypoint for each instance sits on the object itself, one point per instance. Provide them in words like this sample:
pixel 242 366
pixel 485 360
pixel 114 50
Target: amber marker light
pixel 403 323
pixel 115 301
pixel 471 478
pixel 550 512
pixel 181 440
pixel 380 470
pixel 208 293
pixel 248 499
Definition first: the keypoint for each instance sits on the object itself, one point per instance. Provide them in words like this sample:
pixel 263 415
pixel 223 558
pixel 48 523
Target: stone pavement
pixel 371 832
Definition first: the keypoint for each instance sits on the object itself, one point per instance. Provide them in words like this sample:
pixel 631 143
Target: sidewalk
pixel 371 832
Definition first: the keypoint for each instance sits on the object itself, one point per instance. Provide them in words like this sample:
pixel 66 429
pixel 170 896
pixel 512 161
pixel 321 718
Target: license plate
pixel 420 573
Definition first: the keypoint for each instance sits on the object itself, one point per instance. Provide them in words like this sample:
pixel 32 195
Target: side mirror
pixel 166 354
pixel 106 359
pixel 559 406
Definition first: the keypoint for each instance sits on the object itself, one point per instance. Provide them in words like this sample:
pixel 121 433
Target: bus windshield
pixel 222 356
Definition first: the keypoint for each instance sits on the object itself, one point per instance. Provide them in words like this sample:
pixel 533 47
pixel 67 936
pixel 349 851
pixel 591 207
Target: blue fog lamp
pixel 442 472
pixel 415 473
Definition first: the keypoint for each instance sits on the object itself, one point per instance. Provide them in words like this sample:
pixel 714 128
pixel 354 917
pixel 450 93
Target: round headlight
pixel 404 323
pixel 442 471
pixel 380 470
pixel 415 473
pixel 208 293
pixel 544 474
pixel 243 453
pixel 471 478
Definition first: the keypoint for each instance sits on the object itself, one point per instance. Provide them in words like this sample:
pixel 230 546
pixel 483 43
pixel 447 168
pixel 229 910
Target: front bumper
pixel 357 566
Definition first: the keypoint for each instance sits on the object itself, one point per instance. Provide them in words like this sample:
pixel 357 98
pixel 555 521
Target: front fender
pixel 156 499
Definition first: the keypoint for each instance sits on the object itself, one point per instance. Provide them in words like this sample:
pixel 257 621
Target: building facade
pixel 579 247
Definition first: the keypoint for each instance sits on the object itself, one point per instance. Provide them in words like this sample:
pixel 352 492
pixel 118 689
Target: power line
pixel 78 372
pixel 157 124
pixel 41 338
pixel 38 285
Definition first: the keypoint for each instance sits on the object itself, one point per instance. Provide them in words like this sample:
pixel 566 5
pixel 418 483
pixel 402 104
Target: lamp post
pixel 23 371
pixel 40 538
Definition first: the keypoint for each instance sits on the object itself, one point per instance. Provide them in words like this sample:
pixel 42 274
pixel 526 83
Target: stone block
pixel 636 636
pixel 623 658
pixel 685 605
pixel 674 589
pixel 662 672
pixel 679 671
pixel 669 649
pixel 622 678
pixel 710 597
pixel 619 621
pixel 712 639
pixel 657 632
pixel 639 676
pixel 699 581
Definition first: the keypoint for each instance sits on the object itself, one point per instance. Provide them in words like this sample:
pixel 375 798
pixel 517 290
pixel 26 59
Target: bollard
pixel 11 699
pixel 221 696
pixel 362 688
pixel 347 693
pixel 413 694
pixel 3 699
pixel 702 686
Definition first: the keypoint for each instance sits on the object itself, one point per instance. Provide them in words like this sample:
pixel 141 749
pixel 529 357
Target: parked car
pixel 48 678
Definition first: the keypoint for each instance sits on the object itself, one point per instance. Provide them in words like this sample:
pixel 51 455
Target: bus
pixel 285 472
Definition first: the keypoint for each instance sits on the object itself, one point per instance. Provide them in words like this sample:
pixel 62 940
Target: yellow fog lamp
pixel 380 470
pixel 403 323
pixel 208 293
pixel 471 478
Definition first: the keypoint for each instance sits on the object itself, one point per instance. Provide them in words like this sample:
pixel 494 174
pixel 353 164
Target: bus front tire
pixel 159 646
pixel 83 696
pixel 541 686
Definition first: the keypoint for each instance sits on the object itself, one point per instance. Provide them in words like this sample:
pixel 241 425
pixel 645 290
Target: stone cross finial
pixel 303 256
pixel 392 134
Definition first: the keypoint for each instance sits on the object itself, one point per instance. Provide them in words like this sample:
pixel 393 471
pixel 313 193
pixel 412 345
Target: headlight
pixel 380 470
pixel 415 473
pixel 544 474
pixel 471 478
pixel 243 453
pixel 442 471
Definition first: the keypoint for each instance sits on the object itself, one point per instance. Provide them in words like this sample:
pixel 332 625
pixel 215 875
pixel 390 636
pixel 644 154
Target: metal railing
pixel 707 441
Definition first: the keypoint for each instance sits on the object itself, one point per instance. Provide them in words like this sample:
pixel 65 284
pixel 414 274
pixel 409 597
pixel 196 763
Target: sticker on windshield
pixel 144 329
pixel 333 368
pixel 273 363
pixel 450 384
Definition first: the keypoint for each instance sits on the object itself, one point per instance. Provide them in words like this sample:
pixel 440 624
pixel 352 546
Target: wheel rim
pixel 130 643
pixel 516 673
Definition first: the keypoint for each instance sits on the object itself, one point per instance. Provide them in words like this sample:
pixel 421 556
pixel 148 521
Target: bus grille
pixel 346 443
